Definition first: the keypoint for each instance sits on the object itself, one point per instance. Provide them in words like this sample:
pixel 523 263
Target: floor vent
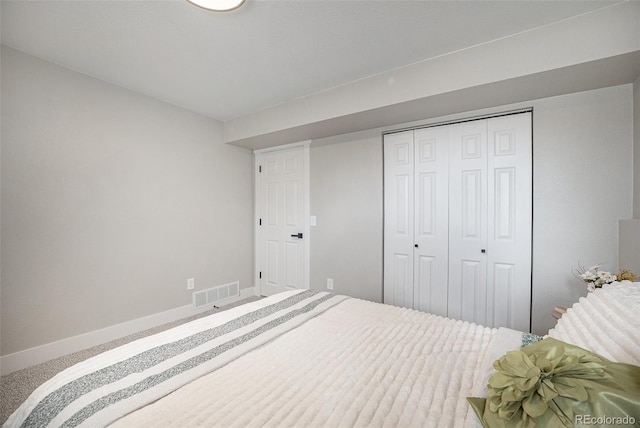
pixel 216 294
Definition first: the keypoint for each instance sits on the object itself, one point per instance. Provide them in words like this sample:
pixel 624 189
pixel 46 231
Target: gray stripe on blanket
pixel 56 401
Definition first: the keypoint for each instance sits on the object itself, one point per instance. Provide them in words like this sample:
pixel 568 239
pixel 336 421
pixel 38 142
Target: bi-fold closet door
pixel 458 216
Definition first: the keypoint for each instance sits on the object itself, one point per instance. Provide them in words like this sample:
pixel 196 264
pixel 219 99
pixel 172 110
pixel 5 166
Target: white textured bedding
pixel 606 322
pixel 343 362
pixel 309 359
pixel 358 364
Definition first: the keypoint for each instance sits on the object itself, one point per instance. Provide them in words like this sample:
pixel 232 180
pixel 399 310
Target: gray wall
pixel 636 148
pixel 110 201
pixel 583 184
pixel 346 198
pixel 630 229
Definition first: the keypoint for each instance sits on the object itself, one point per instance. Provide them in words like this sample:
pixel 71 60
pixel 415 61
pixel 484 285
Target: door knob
pixel 298 235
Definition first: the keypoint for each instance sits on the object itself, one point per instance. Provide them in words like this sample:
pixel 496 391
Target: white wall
pixel 110 201
pixel 582 186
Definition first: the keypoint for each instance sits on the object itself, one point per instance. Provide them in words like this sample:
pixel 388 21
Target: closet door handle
pixel 297 235
pixel 483 251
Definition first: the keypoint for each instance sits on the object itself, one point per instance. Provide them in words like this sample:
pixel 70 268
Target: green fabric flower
pixel 532 382
pixel 550 382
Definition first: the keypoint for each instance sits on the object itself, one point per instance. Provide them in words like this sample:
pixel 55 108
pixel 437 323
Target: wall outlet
pixel 329 284
pixel 191 283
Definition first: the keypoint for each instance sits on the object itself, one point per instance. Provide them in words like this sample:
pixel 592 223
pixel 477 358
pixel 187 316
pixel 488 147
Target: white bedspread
pixel 358 364
pixel 309 359
pixel 606 322
pixel 297 359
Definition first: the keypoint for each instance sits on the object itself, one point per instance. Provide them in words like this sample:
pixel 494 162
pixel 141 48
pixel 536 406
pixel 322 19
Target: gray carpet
pixel 16 387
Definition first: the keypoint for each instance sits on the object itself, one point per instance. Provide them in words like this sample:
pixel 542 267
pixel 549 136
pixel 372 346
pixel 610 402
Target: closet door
pixel 458 219
pixel 431 228
pixel 398 218
pixel 510 184
pixel 468 221
pixel 490 220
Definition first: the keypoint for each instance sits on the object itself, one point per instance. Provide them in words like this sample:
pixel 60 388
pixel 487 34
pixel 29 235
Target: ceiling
pixel 268 52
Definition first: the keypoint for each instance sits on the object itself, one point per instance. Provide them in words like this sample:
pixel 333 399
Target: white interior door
pixel 510 186
pixel 468 221
pixel 491 221
pixel 282 207
pixel 398 219
pixel 431 223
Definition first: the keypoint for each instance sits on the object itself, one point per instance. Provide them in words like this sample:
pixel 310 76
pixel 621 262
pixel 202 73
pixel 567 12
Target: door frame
pixel 257 158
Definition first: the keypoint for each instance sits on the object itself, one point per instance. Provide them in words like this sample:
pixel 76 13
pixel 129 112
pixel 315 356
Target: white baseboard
pixel 39 354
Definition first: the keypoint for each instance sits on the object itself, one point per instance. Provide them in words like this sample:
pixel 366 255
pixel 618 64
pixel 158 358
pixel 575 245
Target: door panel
pixel 272 263
pixel 505 208
pixel 398 219
pixel 509 233
pixel 502 291
pixel 281 254
pixel 471 204
pixel 292 250
pixel 467 219
pixel 402 202
pixel 431 220
pixel 403 278
pixel 425 287
pixel 470 302
pixel 292 216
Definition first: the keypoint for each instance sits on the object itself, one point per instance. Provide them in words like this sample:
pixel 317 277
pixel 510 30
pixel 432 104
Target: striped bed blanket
pixel 301 358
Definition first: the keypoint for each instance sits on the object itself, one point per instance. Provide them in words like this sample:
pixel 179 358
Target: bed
pixel 313 359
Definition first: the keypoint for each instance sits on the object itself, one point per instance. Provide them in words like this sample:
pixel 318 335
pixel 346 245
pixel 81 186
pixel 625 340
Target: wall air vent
pixel 217 294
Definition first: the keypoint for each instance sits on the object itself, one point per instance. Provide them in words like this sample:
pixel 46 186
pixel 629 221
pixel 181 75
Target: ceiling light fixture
pixel 218 5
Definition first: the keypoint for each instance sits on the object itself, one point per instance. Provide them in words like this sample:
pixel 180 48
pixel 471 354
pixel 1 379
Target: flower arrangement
pixel 596 278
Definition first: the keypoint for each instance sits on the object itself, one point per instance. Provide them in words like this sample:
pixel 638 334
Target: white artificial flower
pixel 594 277
pixel 588 276
pixel 606 277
